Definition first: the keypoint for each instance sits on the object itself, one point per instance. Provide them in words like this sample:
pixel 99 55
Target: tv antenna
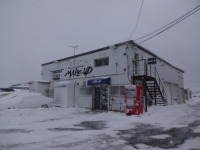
pixel 74 47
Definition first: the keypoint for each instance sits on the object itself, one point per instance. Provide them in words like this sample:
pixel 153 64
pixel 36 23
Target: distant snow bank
pixel 26 100
pixel 23 100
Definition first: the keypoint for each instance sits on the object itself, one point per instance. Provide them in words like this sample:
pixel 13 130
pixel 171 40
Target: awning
pixel 99 81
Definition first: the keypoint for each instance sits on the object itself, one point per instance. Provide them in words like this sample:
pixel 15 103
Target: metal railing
pixel 139 67
pixel 142 68
pixel 154 73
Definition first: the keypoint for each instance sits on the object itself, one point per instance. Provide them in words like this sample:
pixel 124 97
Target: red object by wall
pixel 133 100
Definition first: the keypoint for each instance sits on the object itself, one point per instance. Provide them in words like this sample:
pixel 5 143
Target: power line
pixel 168 26
pixel 137 21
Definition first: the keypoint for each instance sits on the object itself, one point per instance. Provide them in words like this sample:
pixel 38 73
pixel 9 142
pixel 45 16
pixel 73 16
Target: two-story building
pixel 96 79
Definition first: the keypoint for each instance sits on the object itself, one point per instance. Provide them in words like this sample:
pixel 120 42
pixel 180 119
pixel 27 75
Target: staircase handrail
pixel 159 81
pixel 153 72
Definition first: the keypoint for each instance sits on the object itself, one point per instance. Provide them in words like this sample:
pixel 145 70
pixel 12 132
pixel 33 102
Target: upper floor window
pixel 101 62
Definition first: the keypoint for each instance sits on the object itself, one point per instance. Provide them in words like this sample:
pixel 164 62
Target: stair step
pixel 157 97
pixel 160 97
pixel 154 91
pixel 151 82
pixel 161 103
pixel 152 87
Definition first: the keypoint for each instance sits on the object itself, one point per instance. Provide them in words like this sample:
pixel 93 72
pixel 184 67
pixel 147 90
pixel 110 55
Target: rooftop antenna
pixel 74 47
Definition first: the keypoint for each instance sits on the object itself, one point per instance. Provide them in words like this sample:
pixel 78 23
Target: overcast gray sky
pixel 33 32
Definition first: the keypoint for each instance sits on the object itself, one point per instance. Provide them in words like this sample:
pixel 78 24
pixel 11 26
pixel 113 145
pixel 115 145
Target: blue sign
pixel 99 81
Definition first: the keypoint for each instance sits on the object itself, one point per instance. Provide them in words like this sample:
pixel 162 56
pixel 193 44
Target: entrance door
pixel 104 98
pixel 101 98
pixel 97 97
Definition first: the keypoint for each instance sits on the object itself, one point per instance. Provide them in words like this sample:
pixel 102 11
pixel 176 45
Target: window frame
pixel 85 91
pixel 117 90
pixel 102 62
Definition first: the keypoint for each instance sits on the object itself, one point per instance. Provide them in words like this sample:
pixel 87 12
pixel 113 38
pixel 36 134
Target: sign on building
pixel 151 60
pixel 99 81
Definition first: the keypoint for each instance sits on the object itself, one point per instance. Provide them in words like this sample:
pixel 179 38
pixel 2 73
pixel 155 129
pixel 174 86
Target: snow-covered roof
pixel 39 81
pixel 116 45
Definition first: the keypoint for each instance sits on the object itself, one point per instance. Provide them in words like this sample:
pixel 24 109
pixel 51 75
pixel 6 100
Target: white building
pixel 20 86
pixel 188 94
pixel 196 95
pixel 39 86
pixel 96 79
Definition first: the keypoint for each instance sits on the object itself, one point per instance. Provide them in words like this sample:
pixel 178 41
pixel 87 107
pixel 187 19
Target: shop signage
pixel 72 72
pixel 99 81
pixel 151 60
pixel 79 71
pixel 56 74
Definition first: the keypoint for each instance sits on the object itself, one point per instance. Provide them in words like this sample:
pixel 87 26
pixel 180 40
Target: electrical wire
pixel 165 29
pixel 168 26
pixel 137 21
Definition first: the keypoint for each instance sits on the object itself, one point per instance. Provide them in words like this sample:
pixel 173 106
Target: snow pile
pixel 23 100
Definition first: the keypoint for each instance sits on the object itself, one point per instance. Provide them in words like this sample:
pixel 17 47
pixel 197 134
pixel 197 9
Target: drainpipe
pixel 171 94
pixel 144 85
pixel 128 61
pixel 74 94
pixel 108 98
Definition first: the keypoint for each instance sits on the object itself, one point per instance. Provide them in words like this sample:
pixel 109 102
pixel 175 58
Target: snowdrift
pixel 23 100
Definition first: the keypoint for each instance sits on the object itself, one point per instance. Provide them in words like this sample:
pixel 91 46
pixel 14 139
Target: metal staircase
pixel 152 83
pixel 155 92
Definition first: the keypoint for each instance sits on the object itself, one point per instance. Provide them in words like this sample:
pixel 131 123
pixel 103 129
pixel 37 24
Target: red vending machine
pixel 133 100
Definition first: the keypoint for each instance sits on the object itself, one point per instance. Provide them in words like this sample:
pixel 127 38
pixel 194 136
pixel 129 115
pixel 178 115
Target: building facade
pixel 39 86
pixel 196 95
pixel 97 78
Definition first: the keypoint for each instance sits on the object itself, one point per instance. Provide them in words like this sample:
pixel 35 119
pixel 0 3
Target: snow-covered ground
pixel 23 100
pixel 173 127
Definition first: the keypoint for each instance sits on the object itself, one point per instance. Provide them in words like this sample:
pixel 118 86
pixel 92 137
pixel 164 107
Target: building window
pixel 101 62
pixel 114 90
pixel 85 91
pixel 117 90
pixel 122 90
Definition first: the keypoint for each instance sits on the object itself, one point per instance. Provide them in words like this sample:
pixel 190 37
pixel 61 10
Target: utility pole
pixel 74 47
